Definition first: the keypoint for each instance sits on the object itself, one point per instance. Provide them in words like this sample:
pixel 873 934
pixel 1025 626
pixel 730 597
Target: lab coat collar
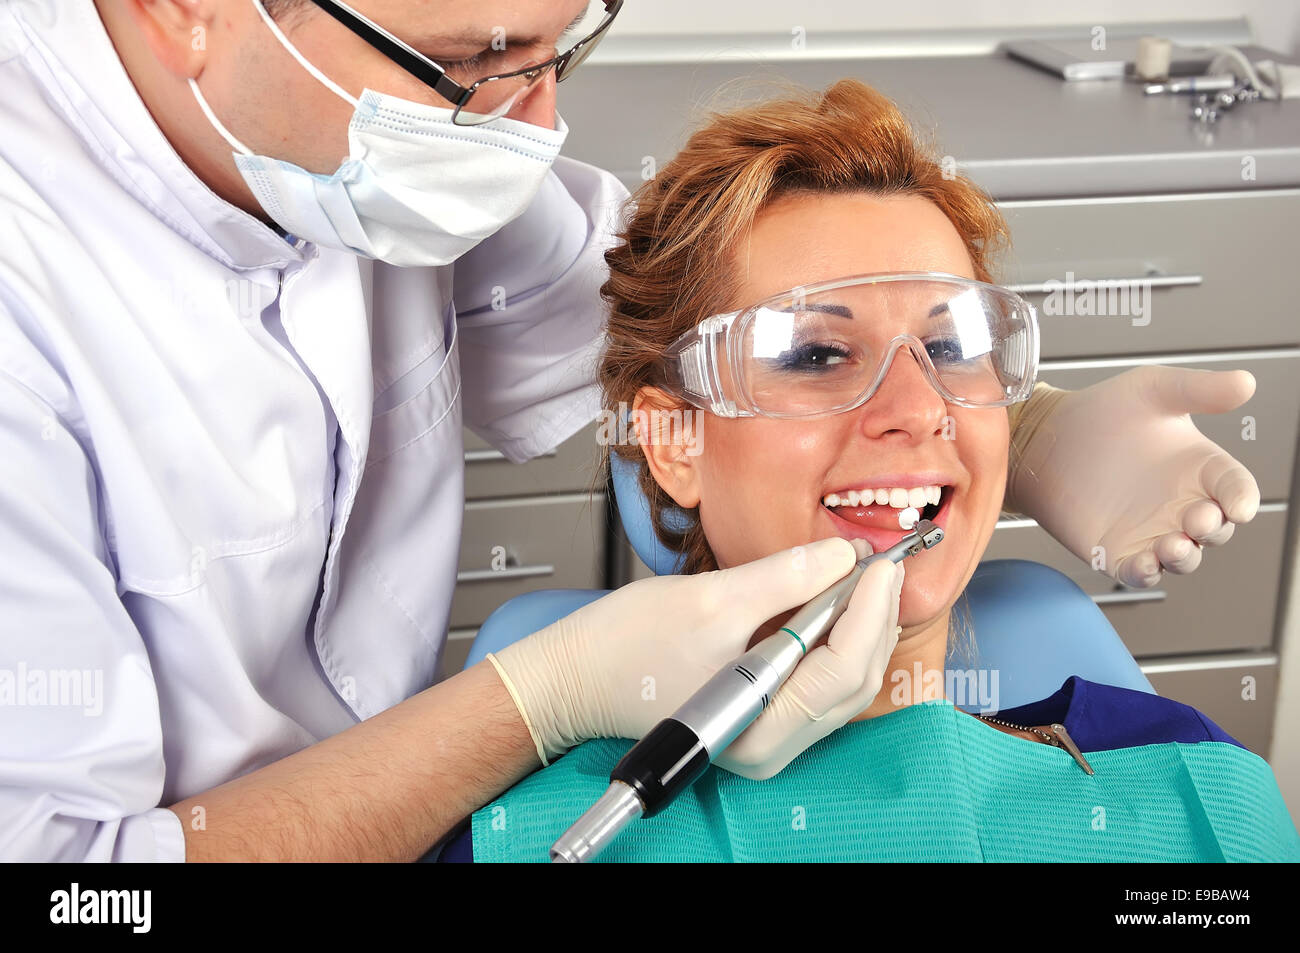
pixel 67 48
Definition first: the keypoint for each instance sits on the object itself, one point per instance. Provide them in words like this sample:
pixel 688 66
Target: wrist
pixel 1030 443
pixel 544 687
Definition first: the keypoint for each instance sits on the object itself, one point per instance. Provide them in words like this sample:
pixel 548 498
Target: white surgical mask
pixel 416 189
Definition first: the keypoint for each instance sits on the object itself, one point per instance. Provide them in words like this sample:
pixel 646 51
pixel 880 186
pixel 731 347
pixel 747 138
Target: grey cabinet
pixel 1206 276
pixel 537 525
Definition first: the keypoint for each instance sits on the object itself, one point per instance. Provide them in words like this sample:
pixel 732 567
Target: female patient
pixel 810 287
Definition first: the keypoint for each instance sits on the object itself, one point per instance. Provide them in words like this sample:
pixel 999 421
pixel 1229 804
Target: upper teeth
pixel 897 497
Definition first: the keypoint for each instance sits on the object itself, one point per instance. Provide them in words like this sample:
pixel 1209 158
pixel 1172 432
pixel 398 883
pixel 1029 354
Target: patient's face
pixel 761 482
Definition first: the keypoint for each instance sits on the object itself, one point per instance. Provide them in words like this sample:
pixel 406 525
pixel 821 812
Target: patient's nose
pixel 905 400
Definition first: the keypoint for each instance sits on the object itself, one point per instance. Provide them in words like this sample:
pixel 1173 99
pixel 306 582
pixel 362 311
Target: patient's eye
pixel 944 350
pixel 812 357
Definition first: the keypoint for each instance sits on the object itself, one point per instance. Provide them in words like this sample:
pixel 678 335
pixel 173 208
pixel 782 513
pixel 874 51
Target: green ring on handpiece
pixel 796 637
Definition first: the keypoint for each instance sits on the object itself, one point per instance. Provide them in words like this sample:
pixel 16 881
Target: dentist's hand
pixel 1120 465
pixel 618 666
pixel 832 684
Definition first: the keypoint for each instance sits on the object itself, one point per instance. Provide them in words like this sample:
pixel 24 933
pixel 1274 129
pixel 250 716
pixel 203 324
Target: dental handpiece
pixel 678 750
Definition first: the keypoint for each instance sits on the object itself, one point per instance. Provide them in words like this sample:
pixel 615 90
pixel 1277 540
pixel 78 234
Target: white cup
pixel 1153 55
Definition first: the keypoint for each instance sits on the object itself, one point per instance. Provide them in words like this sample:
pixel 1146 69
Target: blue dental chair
pixel 1033 645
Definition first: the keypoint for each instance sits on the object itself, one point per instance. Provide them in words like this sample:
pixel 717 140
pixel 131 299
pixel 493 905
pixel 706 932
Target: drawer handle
pixel 510 572
pixel 1140 595
pixel 487 456
pixel 1155 281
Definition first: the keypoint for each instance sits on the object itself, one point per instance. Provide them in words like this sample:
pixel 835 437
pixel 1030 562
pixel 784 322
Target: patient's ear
pixel 670 438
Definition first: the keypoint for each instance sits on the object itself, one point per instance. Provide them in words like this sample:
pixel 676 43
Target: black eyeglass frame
pixel 433 75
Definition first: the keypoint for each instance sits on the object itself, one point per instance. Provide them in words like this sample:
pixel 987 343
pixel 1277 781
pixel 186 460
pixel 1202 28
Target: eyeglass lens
pixel 494 95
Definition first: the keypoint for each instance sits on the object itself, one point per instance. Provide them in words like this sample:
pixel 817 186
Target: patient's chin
pixel 922 603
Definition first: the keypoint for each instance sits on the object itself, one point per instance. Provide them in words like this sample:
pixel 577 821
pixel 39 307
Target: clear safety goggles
pixel 825 348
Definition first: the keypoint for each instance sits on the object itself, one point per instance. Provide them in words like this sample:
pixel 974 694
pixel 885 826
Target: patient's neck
pixel 921 649
pixel 916 669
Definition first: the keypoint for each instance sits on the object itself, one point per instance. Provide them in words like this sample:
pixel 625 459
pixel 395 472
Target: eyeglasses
pixel 488 97
pixel 826 348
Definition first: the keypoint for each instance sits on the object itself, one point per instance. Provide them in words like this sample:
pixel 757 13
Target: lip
pixel 882 539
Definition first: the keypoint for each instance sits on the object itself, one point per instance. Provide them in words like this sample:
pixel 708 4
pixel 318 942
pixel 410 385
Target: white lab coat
pixel 231 471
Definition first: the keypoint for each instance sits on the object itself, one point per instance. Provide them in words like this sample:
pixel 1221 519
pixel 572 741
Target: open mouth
pixel 861 517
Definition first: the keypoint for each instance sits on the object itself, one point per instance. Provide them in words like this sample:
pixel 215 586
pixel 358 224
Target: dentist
pixel 259 263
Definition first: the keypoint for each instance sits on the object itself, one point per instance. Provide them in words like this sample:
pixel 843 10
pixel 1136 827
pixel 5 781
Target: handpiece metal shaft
pixel 679 749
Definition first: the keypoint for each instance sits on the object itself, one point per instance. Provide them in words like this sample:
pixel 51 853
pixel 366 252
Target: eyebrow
pixel 839 310
pixel 474 37
pixel 843 311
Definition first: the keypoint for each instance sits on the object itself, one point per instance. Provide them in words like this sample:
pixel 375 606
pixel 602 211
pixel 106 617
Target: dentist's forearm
pixel 386 789
pixel 1024 419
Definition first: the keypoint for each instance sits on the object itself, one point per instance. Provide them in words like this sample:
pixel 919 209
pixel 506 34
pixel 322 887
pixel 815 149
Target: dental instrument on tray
pixel 1193 84
pixel 679 749
pixel 1252 81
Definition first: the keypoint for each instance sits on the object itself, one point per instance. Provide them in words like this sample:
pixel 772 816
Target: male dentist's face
pixel 276 107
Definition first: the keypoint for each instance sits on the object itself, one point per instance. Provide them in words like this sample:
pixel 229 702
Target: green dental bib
pixel 925 783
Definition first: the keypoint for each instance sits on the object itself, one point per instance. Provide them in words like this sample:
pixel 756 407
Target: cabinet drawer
pixel 1228 603
pixel 1234 254
pixel 1275 407
pixel 1237 694
pixel 571 467
pixel 514 546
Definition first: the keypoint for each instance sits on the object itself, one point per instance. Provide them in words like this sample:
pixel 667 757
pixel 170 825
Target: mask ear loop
pixel 293 51
pixel 216 123
pixel 306 64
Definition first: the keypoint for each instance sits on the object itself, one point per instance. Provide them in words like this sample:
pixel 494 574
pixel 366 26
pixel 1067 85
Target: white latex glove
pixel 833 683
pixel 617 667
pixel 1120 465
